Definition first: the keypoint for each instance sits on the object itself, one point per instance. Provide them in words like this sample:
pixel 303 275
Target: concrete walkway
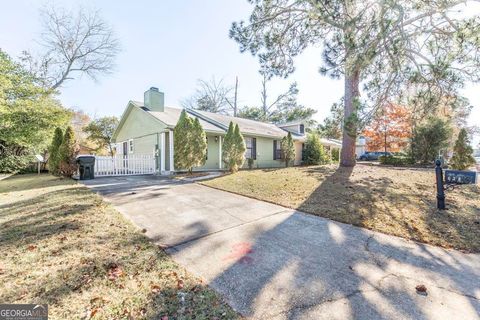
pixel 270 262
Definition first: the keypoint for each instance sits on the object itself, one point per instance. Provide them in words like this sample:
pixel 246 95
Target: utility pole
pixel 233 105
pixel 235 101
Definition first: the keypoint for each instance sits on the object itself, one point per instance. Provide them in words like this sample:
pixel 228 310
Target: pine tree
pixel 314 152
pixel 67 153
pixel 288 149
pixel 233 152
pixel 424 44
pixel 462 152
pixel 54 151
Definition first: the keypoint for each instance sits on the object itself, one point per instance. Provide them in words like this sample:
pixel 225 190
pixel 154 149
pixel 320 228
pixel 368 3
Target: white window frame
pixel 130 145
pixel 250 156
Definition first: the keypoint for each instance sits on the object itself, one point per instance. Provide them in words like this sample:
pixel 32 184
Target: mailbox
pixel 460 177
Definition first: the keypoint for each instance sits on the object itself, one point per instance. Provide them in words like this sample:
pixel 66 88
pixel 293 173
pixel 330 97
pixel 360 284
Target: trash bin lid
pixel 85 159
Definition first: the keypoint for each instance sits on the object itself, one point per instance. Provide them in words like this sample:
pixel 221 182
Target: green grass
pixel 397 201
pixel 60 244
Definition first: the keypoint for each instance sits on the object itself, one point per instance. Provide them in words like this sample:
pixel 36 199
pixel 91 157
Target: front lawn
pixel 60 244
pixel 398 201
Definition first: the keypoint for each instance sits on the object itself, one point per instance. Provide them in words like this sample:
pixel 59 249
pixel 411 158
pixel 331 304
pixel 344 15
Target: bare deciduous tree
pixel 212 96
pixel 75 43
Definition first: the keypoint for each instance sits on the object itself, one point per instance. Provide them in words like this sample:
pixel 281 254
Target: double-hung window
pixel 251 148
pixel 277 150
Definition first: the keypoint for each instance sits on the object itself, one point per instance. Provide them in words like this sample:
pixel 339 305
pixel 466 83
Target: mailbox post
pixel 440 187
pixel 39 162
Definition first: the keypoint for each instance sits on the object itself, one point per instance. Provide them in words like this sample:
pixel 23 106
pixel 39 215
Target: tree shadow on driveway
pixel 298 266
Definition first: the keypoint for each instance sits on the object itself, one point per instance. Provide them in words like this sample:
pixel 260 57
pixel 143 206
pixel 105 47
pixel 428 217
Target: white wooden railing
pixel 133 164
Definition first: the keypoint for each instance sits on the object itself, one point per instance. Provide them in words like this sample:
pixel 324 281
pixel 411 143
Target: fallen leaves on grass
pixel 79 262
pixel 155 288
pixel 114 271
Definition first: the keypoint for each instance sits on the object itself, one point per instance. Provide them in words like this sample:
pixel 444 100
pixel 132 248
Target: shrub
pixel 288 149
pixel 429 138
pixel 314 152
pixel 10 163
pixel 54 151
pixel 190 143
pixel 67 153
pixel 250 162
pixel 462 152
pixel 233 152
pixel 396 160
pixel 335 155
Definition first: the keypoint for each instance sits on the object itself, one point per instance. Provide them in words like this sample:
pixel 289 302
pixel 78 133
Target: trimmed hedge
pixel 396 160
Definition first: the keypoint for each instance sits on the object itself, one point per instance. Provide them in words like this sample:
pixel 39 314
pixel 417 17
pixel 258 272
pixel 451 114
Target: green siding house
pixel 147 128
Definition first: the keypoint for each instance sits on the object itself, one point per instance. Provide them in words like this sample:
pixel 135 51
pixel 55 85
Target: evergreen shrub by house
pixel 314 152
pixel 233 153
pixel 67 154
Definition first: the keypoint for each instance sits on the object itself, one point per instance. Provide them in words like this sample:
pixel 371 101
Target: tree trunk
pixel 385 142
pixel 352 93
pixel 264 97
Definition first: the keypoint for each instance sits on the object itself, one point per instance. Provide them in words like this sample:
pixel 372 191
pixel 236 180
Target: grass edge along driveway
pixel 396 201
pixel 61 245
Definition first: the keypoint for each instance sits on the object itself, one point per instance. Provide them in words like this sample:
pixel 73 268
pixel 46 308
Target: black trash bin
pixel 86 166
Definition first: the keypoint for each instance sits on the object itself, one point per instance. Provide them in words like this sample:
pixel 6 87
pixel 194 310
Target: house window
pixel 130 146
pixel 206 153
pixel 251 151
pixel 277 150
pixel 302 128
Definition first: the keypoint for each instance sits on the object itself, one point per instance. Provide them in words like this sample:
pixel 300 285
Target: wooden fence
pixel 133 164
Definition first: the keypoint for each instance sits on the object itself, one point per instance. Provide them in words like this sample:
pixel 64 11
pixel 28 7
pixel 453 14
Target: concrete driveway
pixel 270 262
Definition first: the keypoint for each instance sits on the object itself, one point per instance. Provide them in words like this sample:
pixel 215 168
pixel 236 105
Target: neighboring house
pixel 360 147
pixel 147 128
pixel 83 149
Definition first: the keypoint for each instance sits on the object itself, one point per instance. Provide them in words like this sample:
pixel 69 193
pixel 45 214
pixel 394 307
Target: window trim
pixel 252 148
pixel 277 150
pixel 206 153
pixel 130 146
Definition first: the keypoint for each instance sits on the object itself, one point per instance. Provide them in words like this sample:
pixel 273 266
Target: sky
pixel 170 45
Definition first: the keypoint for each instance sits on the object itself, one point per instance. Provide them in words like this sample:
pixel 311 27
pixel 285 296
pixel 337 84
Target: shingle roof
pixel 171 115
pixel 247 126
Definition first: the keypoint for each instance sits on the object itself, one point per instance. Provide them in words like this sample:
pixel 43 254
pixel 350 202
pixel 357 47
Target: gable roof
pixel 171 115
pixel 215 122
pixel 218 123
pixel 247 126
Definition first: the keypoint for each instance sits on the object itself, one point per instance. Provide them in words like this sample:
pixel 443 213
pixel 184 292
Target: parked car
pixel 367 156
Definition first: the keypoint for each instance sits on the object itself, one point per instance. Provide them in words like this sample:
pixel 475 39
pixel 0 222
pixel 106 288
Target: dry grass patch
pixel 398 201
pixel 60 244
pixel 188 175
